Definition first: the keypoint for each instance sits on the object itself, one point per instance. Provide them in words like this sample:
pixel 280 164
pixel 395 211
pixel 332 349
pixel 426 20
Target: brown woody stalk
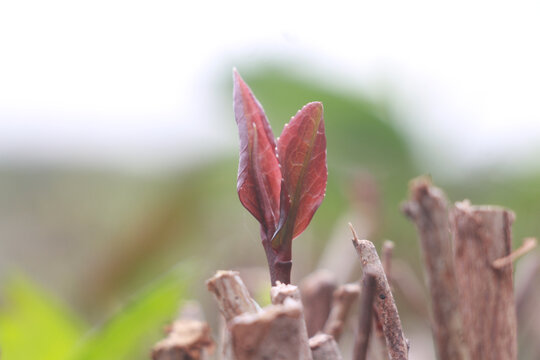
pixel 366 316
pixel 385 307
pixel 343 298
pixel 231 294
pixel 525 285
pixel 233 299
pixel 482 234
pixel 188 338
pixel 378 341
pixel 279 294
pixel 277 332
pixel 428 209
pixel 324 347
pixel 317 290
pixel 386 259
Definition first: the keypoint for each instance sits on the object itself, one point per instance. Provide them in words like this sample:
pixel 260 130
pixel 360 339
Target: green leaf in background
pixel 131 333
pixel 35 326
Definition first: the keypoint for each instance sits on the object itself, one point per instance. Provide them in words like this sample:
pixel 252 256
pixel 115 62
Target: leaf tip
pixel 314 105
pixel 236 77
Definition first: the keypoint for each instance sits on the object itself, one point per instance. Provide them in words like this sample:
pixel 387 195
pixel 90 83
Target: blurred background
pixel 119 149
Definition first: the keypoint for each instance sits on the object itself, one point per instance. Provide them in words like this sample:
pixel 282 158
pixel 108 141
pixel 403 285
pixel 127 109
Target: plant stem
pixel 324 347
pixel 280 294
pixel 366 315
pixel 279 264
pixel 317 290
pixel 385 307
pixel 482 234
pixel 343 298
pixel 428 209
pixel 277 332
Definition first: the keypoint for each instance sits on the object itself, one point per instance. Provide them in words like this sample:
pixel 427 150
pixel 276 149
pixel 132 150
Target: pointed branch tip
pixel 355 237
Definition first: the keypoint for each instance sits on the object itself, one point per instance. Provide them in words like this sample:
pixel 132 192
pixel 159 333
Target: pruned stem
pixel 279 295
pixel 482 234
pixel 386 259
pixel 428 209
pixel 274 333
pixel 317 290
pixel 233 299
pixel 526 278
pixel 188 338
pixel 385 307
pixel 324 347
pixel 366 316
pixel 231 294
pixel 343 298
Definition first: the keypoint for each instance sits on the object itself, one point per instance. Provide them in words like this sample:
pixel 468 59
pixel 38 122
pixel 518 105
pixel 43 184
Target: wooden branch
pixel 233 299
pixel 277 332
pixel 428 209
pixel 231 294
pixel 482 234
pixel 324 347
pixel 526 284
pixel 317 290
pixel 279 294
pixel 410 286
pixel 366 316
pixel 385 307
pixel 188 339
pixel 386 259
pixel 225 349
pixel 528 245
pixel 343 298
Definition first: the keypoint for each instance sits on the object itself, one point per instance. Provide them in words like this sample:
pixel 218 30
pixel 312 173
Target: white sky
pixel 128 83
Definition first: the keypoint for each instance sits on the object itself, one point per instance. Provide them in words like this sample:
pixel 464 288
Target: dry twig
pixel 188 338
pixel 279 294
pixel 277 332
pixel 317 290
pixel 385 307
pixel 324 347
pixel 482 234
pixel 386 259
pixel 366 316
pixel 233 299
pixel 231 294
pixel 528 245
pixel 343 298
pixel 428 209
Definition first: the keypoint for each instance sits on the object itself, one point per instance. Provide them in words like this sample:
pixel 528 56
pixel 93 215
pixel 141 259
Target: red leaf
pixel 259 177
pixel 302 156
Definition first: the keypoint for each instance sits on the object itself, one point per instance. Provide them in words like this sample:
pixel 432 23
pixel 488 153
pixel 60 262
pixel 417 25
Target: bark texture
pixel 385 307
pixel 317 290
pixel 386 259
pixel 343 298
pixel 324 347
pixel 274 333
pixel 187 340
pixel 366 315
pixel 231 294
pixel 280 294
pixel 233 299
pixel 428 209
pixel 482 234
